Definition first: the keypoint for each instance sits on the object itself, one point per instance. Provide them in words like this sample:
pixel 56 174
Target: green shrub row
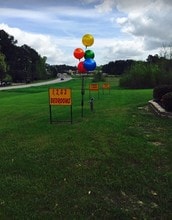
pixel 143 75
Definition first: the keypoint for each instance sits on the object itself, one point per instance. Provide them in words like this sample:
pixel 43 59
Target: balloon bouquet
pixel 88 64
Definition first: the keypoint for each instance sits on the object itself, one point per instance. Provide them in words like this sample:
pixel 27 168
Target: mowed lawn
pixel 112 163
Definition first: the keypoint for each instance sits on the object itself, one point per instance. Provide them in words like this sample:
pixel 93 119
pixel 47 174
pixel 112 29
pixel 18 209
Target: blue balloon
pixel 89 64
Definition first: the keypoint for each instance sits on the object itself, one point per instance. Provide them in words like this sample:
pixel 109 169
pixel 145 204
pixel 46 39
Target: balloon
pixel 89 64
pixel 89 54
pixel 88 40
pixel 81 68
pixel 78 53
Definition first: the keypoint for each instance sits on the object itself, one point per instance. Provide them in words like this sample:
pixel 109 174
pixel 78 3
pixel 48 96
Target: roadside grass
pixel 114 163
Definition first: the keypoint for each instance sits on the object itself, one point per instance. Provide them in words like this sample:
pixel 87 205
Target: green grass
pixel 114 163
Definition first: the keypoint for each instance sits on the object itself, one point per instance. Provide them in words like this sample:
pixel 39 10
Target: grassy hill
pixel 113 163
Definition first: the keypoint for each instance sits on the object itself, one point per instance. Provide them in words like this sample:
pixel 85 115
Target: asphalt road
pixel 58 80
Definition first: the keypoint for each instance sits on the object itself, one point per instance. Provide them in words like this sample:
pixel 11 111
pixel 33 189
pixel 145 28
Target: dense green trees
pixel 3 67
pixel 118 67
pixel 141 75
pixel 156 71
pixel 24 63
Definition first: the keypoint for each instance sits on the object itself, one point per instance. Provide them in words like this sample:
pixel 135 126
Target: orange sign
pixel 94 86
pixel 106 86
pixel 60 96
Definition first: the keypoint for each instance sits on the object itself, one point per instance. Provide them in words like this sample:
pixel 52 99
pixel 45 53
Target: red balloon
pixel 78 53
pixel 81 68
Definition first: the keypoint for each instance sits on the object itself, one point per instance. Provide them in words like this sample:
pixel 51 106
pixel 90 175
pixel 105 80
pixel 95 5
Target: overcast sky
pixel 122 29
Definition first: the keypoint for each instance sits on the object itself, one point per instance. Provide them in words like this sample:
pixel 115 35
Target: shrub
pixel 141 75
pixel 167 101
pixel 98 77
pixel 159 91
pixel 8 79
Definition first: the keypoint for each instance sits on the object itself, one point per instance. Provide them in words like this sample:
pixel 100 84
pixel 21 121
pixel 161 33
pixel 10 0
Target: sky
pixel 122 29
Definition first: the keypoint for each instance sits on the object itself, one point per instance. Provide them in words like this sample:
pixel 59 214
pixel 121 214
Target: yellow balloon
pixel 88 40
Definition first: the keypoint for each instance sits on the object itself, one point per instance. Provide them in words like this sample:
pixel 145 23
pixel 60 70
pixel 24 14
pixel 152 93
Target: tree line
pixel 23 63
pixel 119 67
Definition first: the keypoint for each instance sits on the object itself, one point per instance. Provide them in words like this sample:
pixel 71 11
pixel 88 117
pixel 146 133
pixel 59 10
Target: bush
pixel 140 76
pixel 98 77
pixel 167 101
pixel 159 91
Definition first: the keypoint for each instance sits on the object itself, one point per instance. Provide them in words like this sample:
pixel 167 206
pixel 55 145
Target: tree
pixel 25 64
pixel 41 72
pixel 166 51
pixel 118 67
pixel 7 45
pixel 153 59
pixel 3 67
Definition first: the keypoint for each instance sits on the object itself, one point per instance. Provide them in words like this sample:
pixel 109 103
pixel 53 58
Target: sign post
pixel 60 97
pixel 82 94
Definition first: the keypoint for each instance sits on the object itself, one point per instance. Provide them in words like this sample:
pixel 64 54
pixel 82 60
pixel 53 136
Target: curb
pixel 159 110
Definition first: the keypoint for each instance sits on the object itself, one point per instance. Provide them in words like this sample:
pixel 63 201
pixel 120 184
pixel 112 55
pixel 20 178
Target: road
pixel 58 80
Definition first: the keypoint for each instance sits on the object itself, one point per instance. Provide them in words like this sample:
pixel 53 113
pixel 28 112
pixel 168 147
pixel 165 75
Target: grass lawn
pixel 113 163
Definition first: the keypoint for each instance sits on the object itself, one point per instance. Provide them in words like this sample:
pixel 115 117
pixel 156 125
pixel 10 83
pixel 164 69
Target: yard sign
pixel 93 87
pixel 106 86
pixel 60 97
